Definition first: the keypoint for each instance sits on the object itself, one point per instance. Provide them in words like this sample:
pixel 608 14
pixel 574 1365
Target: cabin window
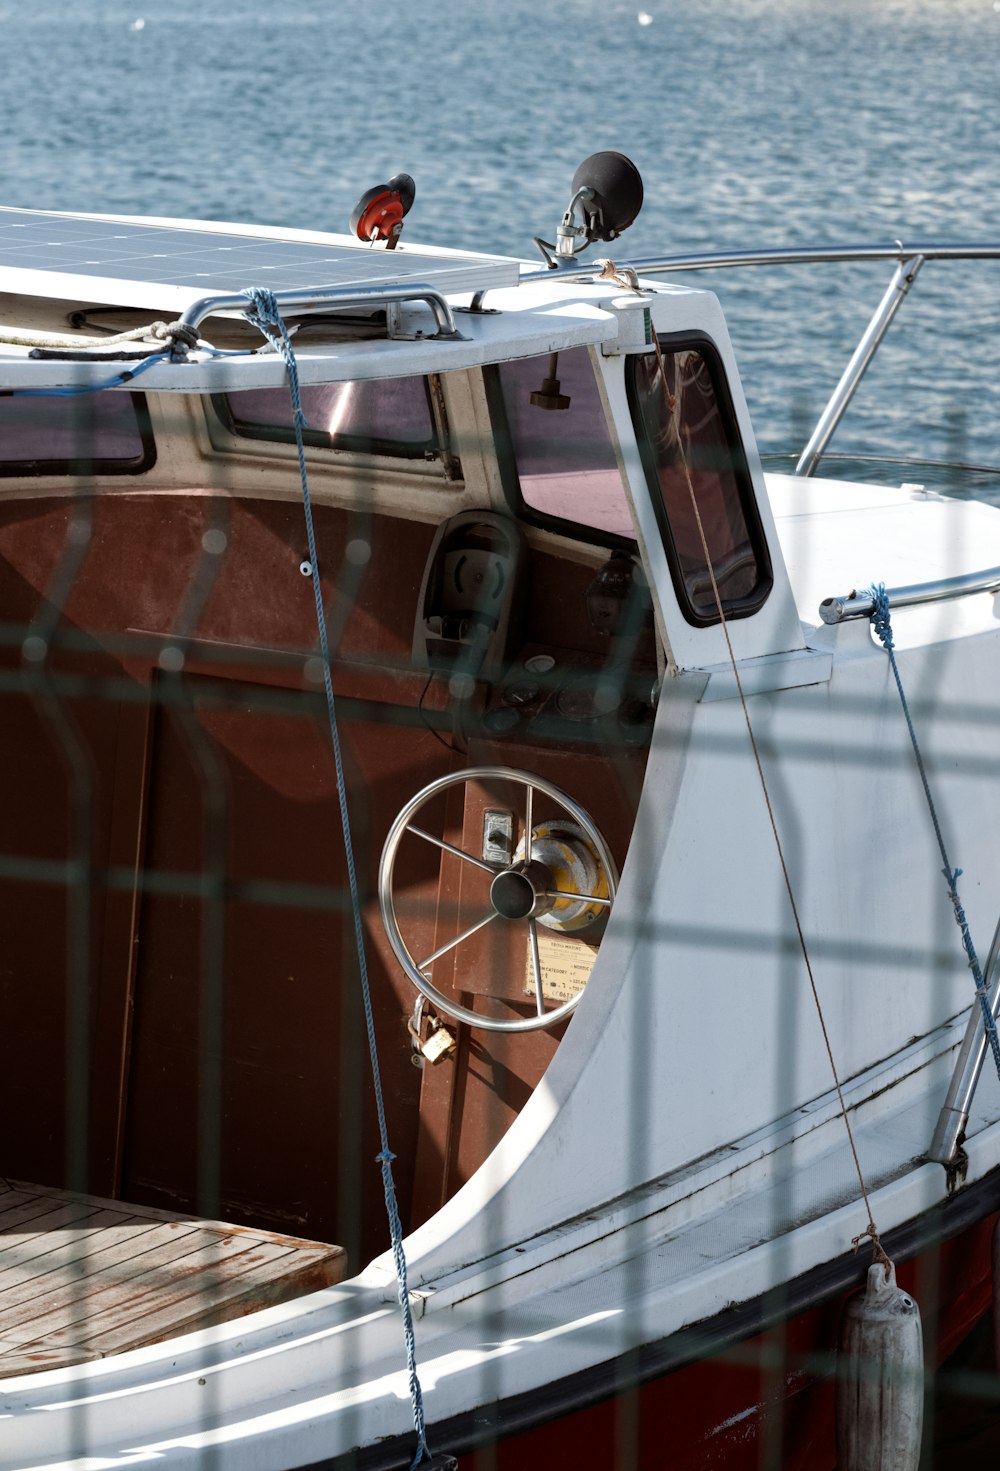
pixel 381 416
pixel 690 444
pixel 560 469
pixel 82 434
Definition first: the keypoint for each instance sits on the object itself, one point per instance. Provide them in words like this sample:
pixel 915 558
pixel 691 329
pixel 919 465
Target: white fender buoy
pixel 880 1378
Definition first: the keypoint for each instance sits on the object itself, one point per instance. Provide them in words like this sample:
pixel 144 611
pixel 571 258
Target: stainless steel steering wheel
pixel 524 891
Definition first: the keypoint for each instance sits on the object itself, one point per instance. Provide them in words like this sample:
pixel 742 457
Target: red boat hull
pixel 766 1402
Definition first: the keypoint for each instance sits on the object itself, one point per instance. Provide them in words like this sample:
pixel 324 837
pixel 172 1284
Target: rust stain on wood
pixel 82 1277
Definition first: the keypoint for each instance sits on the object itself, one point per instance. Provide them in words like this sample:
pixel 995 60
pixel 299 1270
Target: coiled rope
pixel 883 628
pixel 266 317
pixel 178 334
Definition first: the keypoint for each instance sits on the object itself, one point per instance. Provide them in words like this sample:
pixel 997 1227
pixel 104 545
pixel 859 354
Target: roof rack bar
pixel 335 297
pixel 665 265
pixel 861 604
pixel 903 278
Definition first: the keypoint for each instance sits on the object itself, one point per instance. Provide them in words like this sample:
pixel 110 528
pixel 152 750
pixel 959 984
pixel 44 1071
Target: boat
pixel 481 856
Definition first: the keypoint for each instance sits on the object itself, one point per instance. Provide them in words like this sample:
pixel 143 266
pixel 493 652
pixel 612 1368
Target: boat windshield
pixel 701 485
pixel 563 455
pixel 388 416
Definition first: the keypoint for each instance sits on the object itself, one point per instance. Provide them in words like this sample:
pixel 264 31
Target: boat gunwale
pixel 736 1323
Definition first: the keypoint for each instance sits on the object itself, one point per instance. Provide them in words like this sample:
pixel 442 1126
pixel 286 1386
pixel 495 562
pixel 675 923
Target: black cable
pixel 424 718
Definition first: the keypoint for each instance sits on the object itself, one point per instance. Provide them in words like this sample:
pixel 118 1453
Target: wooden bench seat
pixel 81 1278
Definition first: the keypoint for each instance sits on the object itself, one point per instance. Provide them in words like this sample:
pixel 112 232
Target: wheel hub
pixel 519 892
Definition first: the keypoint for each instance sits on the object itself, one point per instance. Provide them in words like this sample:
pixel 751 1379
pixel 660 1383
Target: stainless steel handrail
pixel 954 1117
pixel 317 297
pixel 909 260
pixel 907 462
pixel 861 604
pixel 665 265
pixel 903 278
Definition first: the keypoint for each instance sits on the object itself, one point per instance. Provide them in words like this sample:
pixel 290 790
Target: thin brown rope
pixel 878 1251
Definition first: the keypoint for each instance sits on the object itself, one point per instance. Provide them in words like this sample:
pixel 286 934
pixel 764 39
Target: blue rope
pixel 883 627
pixel 118 381
pixel 121 379
pixel 267 318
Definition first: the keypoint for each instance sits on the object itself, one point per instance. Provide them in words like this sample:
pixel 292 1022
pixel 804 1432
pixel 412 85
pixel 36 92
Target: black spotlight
pixel 607 196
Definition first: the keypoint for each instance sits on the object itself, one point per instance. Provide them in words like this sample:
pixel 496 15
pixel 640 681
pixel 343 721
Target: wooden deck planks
pixel 81 1278
pixel 58 1250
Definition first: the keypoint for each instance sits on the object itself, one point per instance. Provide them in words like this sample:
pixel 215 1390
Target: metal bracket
pixel 498 836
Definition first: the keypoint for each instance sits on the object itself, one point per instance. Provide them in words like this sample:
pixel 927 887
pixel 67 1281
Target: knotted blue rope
pixel 883 628
pixel 267 318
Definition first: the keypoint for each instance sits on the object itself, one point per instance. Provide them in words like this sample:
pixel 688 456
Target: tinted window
pixel 86 433
pixel 389 416
pixel 564 457
pixel 691 448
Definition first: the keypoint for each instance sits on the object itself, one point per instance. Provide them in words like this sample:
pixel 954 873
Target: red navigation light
pixel 378 214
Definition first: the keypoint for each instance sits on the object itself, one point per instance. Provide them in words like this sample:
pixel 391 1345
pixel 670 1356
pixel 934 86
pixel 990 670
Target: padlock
pixel 439 1043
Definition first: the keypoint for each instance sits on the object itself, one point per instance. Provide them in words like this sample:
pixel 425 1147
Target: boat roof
pixel 158 263
pixel 55 267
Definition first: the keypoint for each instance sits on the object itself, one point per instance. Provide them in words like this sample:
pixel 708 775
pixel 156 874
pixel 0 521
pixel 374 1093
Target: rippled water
pixel 754 122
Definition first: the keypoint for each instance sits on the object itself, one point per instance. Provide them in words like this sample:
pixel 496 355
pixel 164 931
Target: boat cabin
pixel 509 570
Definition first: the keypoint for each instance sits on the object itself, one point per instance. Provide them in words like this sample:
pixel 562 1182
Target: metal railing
pixel 861 603
pixel 333 298
pixel 953 1120
pixel 909 260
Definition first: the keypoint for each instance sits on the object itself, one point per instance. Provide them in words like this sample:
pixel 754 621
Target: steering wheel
pixel 541 884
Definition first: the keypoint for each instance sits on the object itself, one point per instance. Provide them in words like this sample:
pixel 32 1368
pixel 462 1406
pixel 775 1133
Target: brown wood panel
pixel 112 1035
pixel 248 1015
pixel 188 992
pixel 235 795
pixel 56 755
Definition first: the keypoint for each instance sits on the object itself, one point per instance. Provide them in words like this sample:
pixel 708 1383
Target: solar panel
pixel 161 263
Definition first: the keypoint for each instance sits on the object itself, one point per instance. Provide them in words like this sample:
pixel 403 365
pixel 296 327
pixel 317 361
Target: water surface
pixel 754 122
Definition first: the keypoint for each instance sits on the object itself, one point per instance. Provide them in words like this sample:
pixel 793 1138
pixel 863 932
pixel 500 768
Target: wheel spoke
pixel 489 868
pixel 480 924
pixel 583 898
pixel 536 966
pixel 528 803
